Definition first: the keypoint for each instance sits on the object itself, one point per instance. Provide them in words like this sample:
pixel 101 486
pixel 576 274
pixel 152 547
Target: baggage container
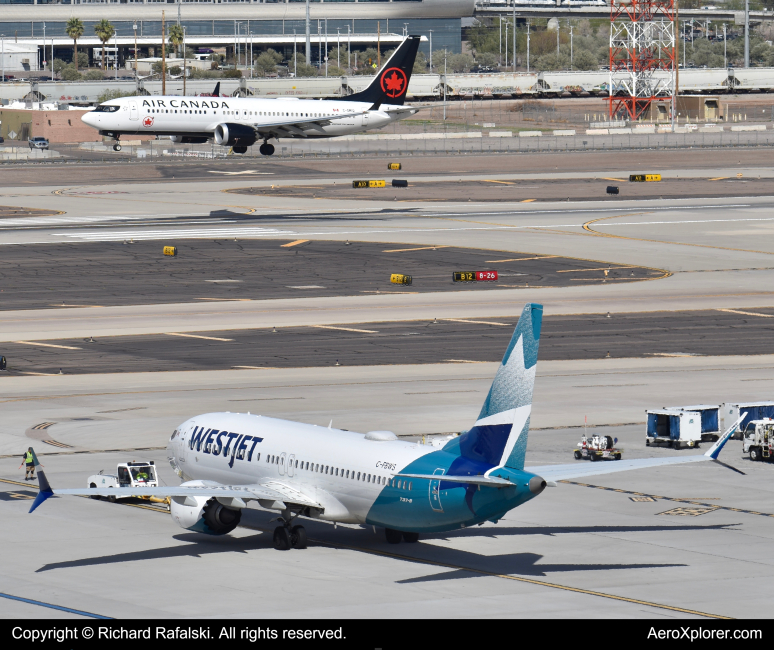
pixel 755 411
pixel 674 427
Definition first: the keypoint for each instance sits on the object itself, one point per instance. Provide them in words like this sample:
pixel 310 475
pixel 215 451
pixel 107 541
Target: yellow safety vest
pixel 29 457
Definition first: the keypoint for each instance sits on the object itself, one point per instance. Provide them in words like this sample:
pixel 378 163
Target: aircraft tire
pixel 393 536
pixel 240 149
pixel 281 538
pixel 266 149
pixel 298 537
pixel 116 147
pixel 411 538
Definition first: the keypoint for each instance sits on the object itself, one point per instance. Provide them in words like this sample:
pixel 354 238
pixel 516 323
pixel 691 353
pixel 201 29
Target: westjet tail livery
pixel 240 122
pixel 228 459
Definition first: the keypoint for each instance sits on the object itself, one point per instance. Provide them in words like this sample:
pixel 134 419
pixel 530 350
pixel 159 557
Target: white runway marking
pixel 197 336
pixel 247 171
pixel 477 322
pixel 345 329
pixel 199 233
pixel 48 345
pixel 747 313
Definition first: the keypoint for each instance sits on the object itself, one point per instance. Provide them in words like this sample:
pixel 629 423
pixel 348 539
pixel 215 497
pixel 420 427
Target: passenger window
pixel 409 486
pixel 358 476
pixel 258 457
pixel 296 463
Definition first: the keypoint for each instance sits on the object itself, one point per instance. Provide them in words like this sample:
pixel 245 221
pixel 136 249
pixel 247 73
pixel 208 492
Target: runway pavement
pixel 577 548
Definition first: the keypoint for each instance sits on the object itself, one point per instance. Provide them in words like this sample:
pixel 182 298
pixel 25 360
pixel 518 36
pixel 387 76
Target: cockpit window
pixel 104 108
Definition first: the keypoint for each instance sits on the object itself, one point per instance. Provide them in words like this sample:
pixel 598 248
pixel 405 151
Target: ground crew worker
pixel 29 461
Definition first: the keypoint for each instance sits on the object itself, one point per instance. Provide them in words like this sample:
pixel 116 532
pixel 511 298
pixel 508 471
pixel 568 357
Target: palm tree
pixel 74 29
pixel 176 37
pixel 104 31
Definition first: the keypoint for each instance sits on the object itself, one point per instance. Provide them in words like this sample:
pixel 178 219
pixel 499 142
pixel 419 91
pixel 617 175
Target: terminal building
pixel 218 23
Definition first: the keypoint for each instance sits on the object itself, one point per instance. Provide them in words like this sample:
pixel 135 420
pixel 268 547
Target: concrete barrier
pixel 501 134
pixel 530 134
pixel 749 127
pixel 618 131
pixel 596 132
pixel 564 131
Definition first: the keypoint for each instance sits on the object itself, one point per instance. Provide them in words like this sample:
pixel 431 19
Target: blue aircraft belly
pixel 455 504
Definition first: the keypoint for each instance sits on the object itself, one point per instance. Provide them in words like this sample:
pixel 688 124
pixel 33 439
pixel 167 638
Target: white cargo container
pixel 710 419
pixel 673 427
pixel 755 411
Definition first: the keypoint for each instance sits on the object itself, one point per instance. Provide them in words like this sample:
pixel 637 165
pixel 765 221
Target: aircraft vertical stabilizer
pixel 499 436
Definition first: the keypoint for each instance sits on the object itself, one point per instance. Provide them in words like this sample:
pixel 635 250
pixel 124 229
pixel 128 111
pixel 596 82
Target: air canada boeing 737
pixel 229 459
pixel 240 122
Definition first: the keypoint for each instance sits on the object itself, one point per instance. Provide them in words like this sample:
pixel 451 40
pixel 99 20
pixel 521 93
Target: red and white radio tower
pixel 643 61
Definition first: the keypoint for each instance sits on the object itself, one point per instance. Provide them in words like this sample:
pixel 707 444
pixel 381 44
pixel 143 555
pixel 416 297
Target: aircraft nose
pixel 89 118
pixel 537 485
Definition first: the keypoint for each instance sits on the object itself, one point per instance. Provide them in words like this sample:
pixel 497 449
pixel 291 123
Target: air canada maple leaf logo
pixel 394 82
pixel 148 121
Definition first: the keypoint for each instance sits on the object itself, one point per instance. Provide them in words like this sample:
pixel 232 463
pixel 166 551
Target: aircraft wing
pixel 271 491
pixel 301 128
pixel 582 469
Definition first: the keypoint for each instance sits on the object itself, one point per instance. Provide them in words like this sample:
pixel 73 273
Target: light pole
pixel 570 46
pixel 326 47
pixel 2 55
pixel 506 43
pixel 338 47
pixel 115 45
pixel 725 51
pixel 295 56
pixel 308 41
pixel 349 50
pixel 444 86
pixel 44 46
pixel 252 60
pixel 514 37
pixel 500 24
pixel 527 46
pixel 746 33
pixel 185 63
pixel 134 27
pixel 431 51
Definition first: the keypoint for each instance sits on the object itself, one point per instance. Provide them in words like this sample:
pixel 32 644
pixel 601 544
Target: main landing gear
pixel 266 149
pixel 287 536
pixel 117 146
pixel 395 536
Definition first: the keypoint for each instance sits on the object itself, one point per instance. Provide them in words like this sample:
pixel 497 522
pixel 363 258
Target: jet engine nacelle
pixel 204 514
pixel 231 135
pixel 187 139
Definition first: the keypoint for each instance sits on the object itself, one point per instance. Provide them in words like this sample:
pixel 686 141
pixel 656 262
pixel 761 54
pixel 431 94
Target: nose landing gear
pixel 117 146
pixel 266 149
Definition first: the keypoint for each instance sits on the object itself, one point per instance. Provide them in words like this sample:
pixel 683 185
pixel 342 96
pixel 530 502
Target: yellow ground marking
pixel 746 313
pixel 620 180
pixel 294 243
pixel 464 361
pixel 227 299
pixel 344 329
pixel 605 268
pixel 522 259
pixel 423 248
pixel 477 322
pixel 48 345
pixel 501 182
pixel 528 200
pixel 197 336
pixel 256 368
pixel 719 178
pixel 43 425
pixel 63 305
pixel 587 227
pixel 629 279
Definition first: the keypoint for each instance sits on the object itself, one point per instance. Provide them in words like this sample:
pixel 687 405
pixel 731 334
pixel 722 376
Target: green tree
pixel 104 31
pixel 420 64
pixel 82 61
pixel 584 60
pixel 176 37
pixel 58 65
pixel 175 70
pixel 266 63
pixel 74 29
pixel 71 74
pixel 486 58
pixel 302 68
pixel 458 62
pixel 94 75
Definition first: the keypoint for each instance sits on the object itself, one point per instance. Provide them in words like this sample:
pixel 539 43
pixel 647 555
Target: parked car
pixel 480 69
pixel 38 142
pixel 2 139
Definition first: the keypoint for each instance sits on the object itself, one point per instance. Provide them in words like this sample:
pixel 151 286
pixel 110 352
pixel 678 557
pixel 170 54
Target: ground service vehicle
pixel 754 410
pixel 758 439
pixel 128 475
pixel 597 448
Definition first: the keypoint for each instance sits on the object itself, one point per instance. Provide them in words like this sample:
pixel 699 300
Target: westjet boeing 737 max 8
pixel 301 470
pixel 240 122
